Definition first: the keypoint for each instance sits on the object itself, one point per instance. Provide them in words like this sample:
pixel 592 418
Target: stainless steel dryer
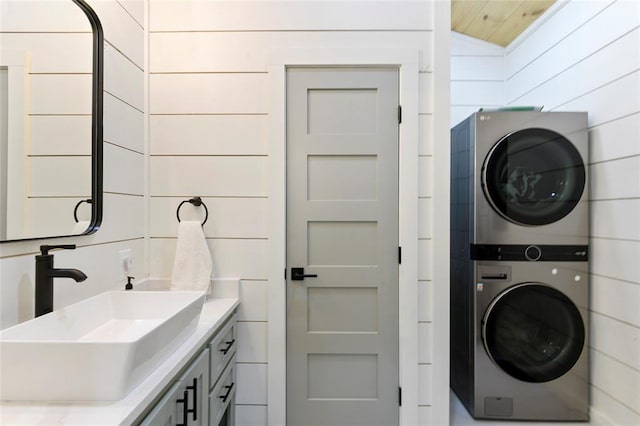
pixel 519 265
pixel 530 177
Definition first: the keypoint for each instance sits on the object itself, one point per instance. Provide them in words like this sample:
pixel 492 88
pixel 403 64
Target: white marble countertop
pixel 127 410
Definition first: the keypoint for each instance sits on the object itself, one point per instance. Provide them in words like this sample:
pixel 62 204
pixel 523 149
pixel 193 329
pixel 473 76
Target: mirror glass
pixel 50 119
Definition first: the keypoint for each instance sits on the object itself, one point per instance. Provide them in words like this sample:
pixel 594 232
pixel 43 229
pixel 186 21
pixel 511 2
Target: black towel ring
pixel 75 210
pixel 197 202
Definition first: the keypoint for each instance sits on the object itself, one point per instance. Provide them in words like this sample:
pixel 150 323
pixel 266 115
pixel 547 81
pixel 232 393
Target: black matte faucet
pixel 45 273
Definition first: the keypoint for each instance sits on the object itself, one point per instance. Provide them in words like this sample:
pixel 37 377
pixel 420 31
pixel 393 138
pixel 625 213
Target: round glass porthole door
pixel 533 177
pixel 533 332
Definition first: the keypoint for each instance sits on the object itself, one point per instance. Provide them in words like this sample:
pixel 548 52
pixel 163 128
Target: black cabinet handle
pixel 297 274
pixel 229 345
pixel 185 402
pixel 194 388
pixel 226 395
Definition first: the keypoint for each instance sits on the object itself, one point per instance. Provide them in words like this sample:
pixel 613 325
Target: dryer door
pixel 533 332
pixel 533 177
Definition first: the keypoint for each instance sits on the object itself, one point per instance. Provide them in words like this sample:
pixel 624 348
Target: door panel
pixel 533 177
pixel 342 225
pixel 533 332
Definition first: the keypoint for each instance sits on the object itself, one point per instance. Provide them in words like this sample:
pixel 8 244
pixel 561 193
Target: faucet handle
pixel 44 249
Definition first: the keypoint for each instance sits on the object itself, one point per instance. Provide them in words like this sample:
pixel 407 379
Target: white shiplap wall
pixel 208 137
pixel 124 178
pixel 477 76
pixel 586 57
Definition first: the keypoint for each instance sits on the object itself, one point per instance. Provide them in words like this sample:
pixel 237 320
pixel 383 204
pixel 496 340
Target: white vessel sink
pixel 97 349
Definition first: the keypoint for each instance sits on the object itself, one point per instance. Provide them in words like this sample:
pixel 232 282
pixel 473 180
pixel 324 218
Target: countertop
pixel 127 410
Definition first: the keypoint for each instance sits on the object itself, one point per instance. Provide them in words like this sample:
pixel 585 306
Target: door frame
pixel 407 62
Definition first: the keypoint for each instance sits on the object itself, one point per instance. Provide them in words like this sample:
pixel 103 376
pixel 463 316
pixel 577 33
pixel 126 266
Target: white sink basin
pixel 97 349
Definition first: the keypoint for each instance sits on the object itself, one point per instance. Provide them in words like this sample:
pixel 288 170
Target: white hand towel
pixel 192 266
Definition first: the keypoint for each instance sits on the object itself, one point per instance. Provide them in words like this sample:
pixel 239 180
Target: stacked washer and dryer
pixel 519 265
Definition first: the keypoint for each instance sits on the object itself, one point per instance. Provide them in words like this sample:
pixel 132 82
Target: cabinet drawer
pixel 223 393
pixel 222 348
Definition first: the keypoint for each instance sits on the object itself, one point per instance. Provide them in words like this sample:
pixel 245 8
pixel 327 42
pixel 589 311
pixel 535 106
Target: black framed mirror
pixel 51 115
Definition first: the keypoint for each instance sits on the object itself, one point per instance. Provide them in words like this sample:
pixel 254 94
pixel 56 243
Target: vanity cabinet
pixel 204 392
pixel 186 403
pixel 203 366
pixel 222 377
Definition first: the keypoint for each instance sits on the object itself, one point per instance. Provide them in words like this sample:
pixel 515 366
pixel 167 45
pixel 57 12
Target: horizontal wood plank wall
pixel 208 137
pixel 477 76
pixel 586 57
pixel 123 222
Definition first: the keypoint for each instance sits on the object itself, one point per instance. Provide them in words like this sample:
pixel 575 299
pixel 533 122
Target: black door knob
pixel 297 274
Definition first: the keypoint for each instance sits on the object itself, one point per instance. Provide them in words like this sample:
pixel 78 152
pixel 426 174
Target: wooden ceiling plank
pixel 520 20
pixel 463 12
pixel 493 15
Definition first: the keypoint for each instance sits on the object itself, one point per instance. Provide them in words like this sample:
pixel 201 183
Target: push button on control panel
pixel 533 253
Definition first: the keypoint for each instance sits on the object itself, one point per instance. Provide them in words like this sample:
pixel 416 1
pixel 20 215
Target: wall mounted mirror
pixel 51 91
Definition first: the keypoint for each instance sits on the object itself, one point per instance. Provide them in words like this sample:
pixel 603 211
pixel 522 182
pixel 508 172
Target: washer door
pixel 533 177
pixel 533 332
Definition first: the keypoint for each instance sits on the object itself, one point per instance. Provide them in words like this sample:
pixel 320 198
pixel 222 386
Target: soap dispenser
pixel 129 285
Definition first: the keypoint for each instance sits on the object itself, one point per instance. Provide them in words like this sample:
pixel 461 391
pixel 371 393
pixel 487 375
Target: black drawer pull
pixel 226 395
pixel 185 402
pixel 229 345
pixel 194 388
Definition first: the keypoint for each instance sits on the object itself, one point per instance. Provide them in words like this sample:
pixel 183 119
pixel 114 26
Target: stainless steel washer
pixel 530 348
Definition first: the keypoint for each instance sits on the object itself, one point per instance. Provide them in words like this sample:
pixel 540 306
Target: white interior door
pixel 342 229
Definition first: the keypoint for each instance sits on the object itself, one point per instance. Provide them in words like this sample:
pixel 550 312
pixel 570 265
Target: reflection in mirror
pixel 50 119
